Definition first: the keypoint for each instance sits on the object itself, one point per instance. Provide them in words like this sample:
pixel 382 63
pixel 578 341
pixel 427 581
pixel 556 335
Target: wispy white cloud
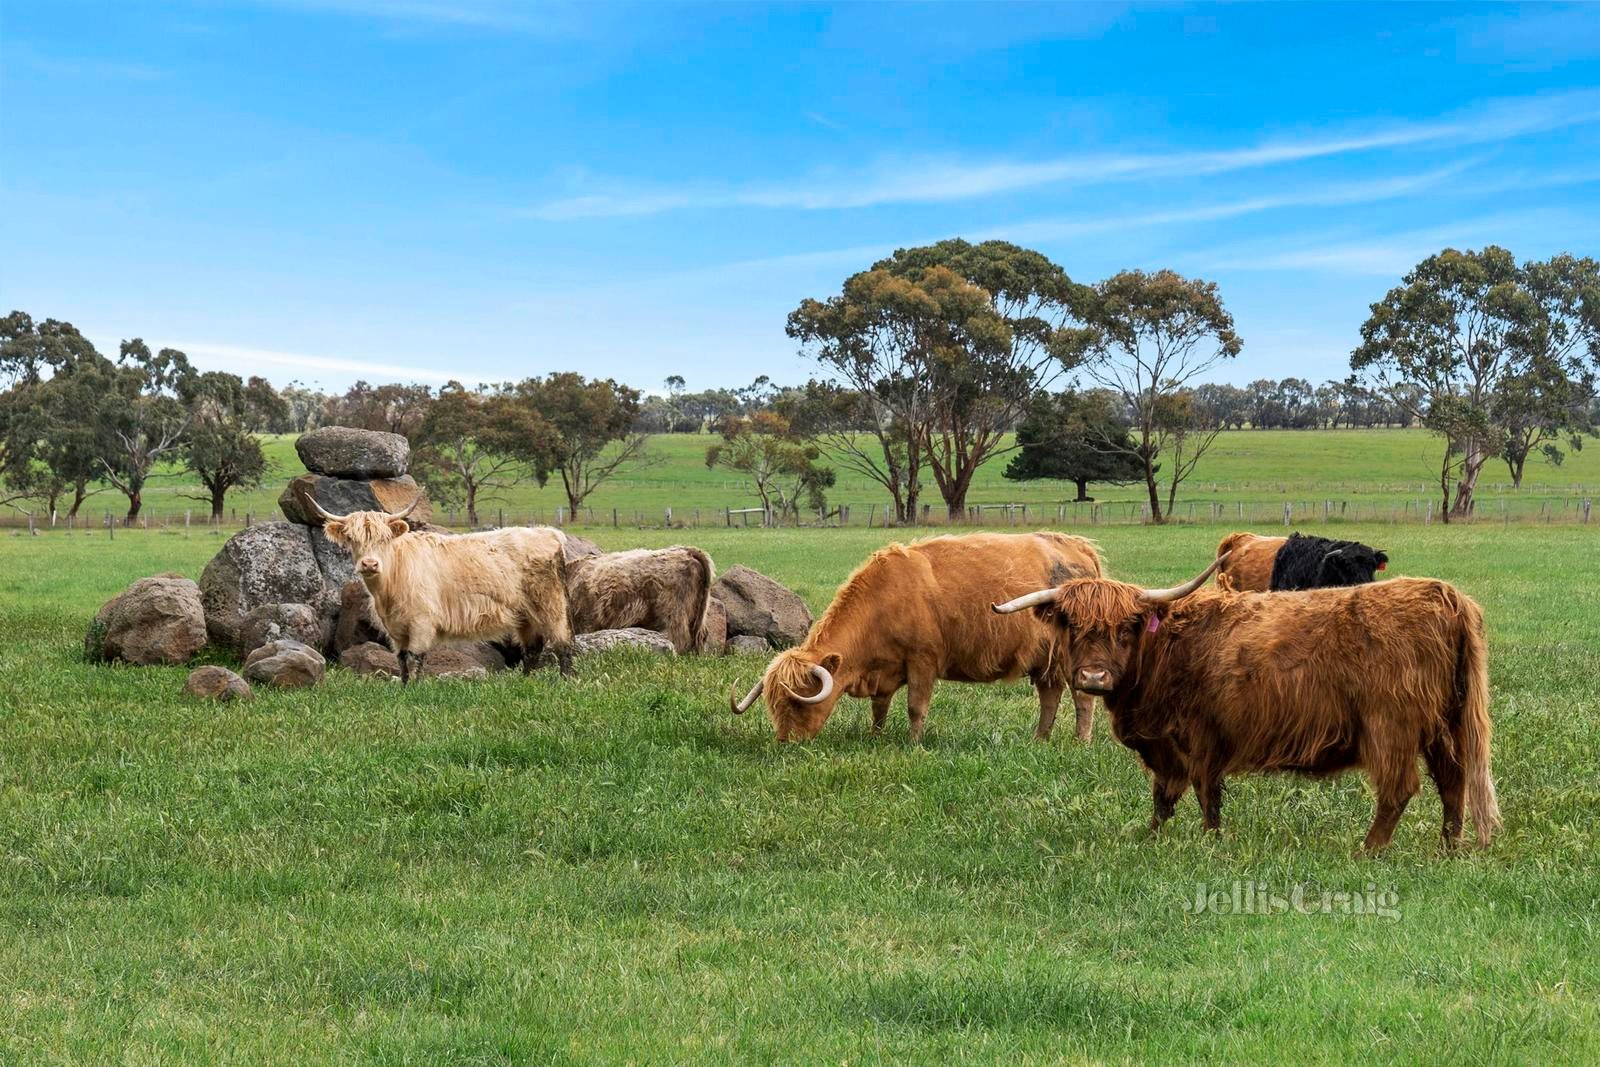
pixel 81 69
pixel 247 359
pixel 545 19
pixel 913 181
pixel 1058 229
pixel 1391 255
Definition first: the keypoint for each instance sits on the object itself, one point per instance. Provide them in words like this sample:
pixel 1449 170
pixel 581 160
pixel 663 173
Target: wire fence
pixel 1568 509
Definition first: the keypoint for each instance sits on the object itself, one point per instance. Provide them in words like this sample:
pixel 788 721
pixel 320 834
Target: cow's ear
pixel 831 662
pixel 398 526
pixel 334 528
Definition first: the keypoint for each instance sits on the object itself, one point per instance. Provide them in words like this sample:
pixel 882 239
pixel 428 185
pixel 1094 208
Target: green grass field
pixel 1375 473
pixel 618 870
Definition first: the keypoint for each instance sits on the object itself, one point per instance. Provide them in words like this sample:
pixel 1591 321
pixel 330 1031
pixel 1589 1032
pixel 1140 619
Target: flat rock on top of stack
pixel 345 452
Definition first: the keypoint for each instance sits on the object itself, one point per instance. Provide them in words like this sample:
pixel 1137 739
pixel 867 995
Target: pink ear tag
pixel 1154 624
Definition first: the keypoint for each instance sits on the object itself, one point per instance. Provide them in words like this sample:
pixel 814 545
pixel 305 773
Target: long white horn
pixel 1026 600
pixel 409 508
pixel 741 706
pixel 327 515
pixel 1178 592
pixel 822 675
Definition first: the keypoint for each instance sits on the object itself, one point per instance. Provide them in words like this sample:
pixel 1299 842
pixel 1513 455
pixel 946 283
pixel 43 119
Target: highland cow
pixel 1203 684
pixel 914 614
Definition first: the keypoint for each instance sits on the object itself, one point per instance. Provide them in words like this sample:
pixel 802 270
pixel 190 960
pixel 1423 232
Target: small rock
pixel 270 622
pixel 344 495
pixel 155 620
pixel 714 630
pixel 746 643
pixel 757 606
pixel 370 659
pixel 345 452
pixel 217 683
pixel 285 663
pixel 632 637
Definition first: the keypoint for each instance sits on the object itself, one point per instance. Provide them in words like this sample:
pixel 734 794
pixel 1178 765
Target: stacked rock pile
pixel 274 564
pixel 285 599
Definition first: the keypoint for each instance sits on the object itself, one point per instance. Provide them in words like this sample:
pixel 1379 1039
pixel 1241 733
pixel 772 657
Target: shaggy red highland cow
pixel 914 614
pixel 1204 684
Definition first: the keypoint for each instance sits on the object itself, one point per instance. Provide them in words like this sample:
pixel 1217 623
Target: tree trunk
pixel 472 506
pixel 1517 463
pixel 954 492
pixel 1472 463
pixel 1083 491
pixel 571 482
pixel 135 502
pixel 217 495
pixel 1444 485
pixel 1153 488
pixel 79 492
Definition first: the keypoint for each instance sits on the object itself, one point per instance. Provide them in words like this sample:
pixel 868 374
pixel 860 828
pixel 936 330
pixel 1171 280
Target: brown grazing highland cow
pixel 1204 684
pixel 914 614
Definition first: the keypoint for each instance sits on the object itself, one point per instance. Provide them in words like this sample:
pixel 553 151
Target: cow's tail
pixel 1474 732
pixel 702 598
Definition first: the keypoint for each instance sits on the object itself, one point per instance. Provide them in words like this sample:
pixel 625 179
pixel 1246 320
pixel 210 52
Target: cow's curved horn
pixel 741 706
pixel 1178 592
pixel 1026 600
pixel 327 515
pixel 408 509
pixel 821 674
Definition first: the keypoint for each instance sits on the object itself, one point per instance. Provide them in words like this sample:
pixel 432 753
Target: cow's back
pixel 1291 674
pixel 964 574
pixel 1250 560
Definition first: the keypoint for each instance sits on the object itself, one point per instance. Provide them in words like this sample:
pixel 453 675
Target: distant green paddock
pixel 1246 478
pixel 618 870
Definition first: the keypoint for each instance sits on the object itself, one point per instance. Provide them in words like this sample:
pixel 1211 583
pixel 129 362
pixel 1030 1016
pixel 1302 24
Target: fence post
pixel 187 515
pixel 31 531
pixel 1288 513
pixel 111 532
pixel 1428 521
pixel 1586 503
pixel 669 518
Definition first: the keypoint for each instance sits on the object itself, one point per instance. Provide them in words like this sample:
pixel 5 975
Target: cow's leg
pixel 880 711
pixel 1084 703
pixel 919 694
pixel 1395 786
pixel 1205 770
pixel 405 666
pixel 1169 778
pixel 532 649
pixel 420 642
pixel 1049 702
pixel 1208 791
pixel 1448 778
pixel 564 658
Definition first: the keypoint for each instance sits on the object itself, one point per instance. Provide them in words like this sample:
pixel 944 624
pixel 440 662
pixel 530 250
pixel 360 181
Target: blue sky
pixel 425 189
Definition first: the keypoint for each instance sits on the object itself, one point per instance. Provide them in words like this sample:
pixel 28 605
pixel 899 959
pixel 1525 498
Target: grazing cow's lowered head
pixel 1103 620
pixel 800 693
